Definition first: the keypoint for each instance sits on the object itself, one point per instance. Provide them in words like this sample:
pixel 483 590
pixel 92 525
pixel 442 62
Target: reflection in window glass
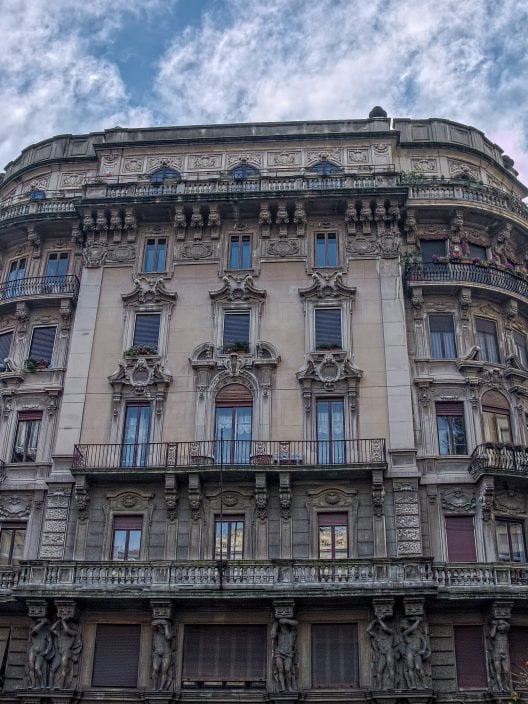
pixel 12 539
pixel 229 538
pixel 155 254
pixel 510 541
pixel 240 252
pixel 333 535
pixel 326 249
pixel 451 428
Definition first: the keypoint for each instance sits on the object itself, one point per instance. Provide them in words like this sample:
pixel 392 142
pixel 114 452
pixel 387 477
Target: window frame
pixel 27 434
pixel 442 333
pixel 326 263
pixel 482 657
pixel 156 240
pixel 443 254
pixel 321 309
pixel 523 357
pixel 141 314
pixel 509 522
pixel 13 527
pixel 484 349
pixel 240 240
pixel 8 355
pixel 224 348
pixel 59 256
pixel 460 517
pixel 53 350
pixel 345 518
pixel 450 429
pixel 229 519
pixel 117 518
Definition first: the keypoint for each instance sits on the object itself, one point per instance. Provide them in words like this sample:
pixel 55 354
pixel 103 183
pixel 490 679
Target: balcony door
pixel 496 417
pixel 16 273
pixel 330 431
pixel 233 424
pixel 136 431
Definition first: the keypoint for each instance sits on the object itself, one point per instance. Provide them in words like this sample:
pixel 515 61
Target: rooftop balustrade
pixel 501 459
pixel 216 454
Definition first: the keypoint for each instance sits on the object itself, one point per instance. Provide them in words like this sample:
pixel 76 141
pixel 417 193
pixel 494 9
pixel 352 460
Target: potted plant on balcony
pixel 237 346
pixel 141 351
pixel 333 345
pixel 32 364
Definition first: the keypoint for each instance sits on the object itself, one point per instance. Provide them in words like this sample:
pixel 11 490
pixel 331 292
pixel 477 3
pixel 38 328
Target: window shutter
pixel 236 327
pixel 486 326
pixel 42 343
pixel 334 655
pixel 441 323
pixel 5 345
pixel 146 330
pixel 116 656
pixel 224 653
pixel 518 650
pixel 444 408
pixel 460 539
pixel 128 522
pixel 495 402
pixel 332 519
pixel 234 394
pixel 470 658
pixel 30 415
pixel 327 327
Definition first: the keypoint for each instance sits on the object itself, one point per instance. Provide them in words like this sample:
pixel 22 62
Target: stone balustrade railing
pixel 479 575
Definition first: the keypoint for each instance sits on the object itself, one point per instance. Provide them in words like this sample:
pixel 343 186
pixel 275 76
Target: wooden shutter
pixel 224 653
pixel 128 522
pixel 518 650
pixel 42 343
pixel 446 408
pixel 470 658
pixel 146 330
pixel 233 395
pixel 460 539
pixel 116 656
pixel 334 655
pixel 495 402
pixel 30 415
pixel 332 519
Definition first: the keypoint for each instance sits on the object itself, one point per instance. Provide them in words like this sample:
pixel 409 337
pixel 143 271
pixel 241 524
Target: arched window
pixel 243 171
pixel 233 422
pixel 496 417
pixel 325 168
pixel 163 173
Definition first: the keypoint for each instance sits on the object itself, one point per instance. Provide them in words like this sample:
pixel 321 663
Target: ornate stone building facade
pixel 264 415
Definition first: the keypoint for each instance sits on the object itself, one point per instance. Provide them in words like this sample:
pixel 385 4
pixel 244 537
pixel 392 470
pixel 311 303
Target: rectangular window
pixel 126 537
pixel 42 344
pixel 328 328
pixel 240 252
pixel 146 330
pixel 326 249
pixel 116 656
pixel 57 265
pixel 26 437
pixel 229 538
pixel 487 340
pixel 333 535
pixel 470 658
pixel 15 275
pixel 442 331
pixel 155 254
pixel 5 345
pixel 460 532
pixel 496 426
pixel 334 655
pixel 136 433
pixel 518 637
pixel 451 428
pixel 519 341
pixel 330 428
pixel 12 539
pixel 236 332
pixel 430 249
pixel 223 655
pixel 510 541
pixel 477 251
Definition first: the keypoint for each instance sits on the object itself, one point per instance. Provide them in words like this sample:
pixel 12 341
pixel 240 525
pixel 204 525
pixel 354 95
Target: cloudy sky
pixel 83 65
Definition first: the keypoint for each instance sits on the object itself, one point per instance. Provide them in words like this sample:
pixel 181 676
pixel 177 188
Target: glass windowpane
pixel 42 343
pixel 119 549
pixel 5 345
pixel 328 328
pixel 146 330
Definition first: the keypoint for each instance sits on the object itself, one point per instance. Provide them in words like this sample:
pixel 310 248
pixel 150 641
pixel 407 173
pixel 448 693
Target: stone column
pixel 498 647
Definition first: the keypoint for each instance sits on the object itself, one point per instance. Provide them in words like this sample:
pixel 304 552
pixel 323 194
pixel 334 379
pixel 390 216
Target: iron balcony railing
pixel 499 458
pixel 230 453
pixel 471 273
pixel 39 286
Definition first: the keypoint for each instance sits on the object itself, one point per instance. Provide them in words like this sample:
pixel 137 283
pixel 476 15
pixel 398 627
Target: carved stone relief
pixel 424 165
pixel 120 254
pixel 172 160
pixel 409 541
pixel 285 158
pixel 283 248
pixel 284 646
pixel 197 250
pixel 314 155
pixel 73 180
pixel 15 506
pixel 458 499
pixel 133 164
pixel 204 161
pixel 359 155
pixel 255 158
pixel 461 169
pixel 510 503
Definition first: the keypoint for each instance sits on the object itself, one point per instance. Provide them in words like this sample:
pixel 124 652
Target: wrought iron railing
pixel 39 286
pixel 471 273
pixel 230 453
pixel 499 458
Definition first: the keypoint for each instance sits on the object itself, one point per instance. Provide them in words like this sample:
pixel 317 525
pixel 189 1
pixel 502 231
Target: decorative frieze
pixel 406 503
pixel 55 525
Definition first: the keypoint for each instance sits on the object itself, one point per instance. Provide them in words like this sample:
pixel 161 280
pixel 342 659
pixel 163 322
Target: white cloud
pixel 287 59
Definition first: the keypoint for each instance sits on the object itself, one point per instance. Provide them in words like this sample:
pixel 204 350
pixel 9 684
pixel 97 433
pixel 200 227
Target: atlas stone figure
pixel 415 651
pixel 39 653
pixel 162 636
pixel 498 654
pixel 67 638
pixel 383 645
pixel 284 642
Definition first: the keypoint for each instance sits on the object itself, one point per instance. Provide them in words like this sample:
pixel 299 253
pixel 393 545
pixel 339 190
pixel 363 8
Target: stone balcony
pixel 240 456
pixel 500 459
pixel 25 207
pixel 497 283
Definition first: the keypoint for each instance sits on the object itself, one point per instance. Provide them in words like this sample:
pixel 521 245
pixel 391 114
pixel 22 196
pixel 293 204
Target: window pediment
pixel 328 286
pixel 238 288
pixel 142 374
pixel 149 290
pixel 329 369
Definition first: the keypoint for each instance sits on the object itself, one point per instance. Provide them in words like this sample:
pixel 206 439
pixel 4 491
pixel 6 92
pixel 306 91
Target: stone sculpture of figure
pixel 385 653
pixel 415 652
pixel 39 654
pixel 284 650
pixel 498 654
pixel 68 645
pixel 162 671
